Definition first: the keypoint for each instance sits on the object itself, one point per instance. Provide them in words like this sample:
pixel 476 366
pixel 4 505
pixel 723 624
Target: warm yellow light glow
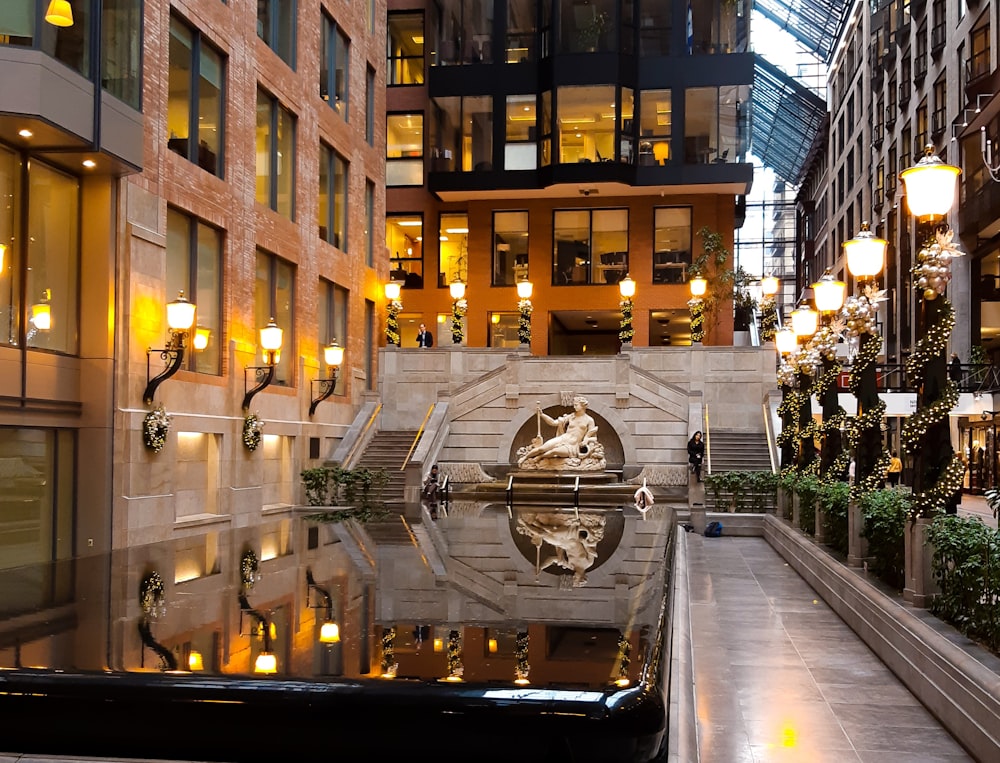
pixel 41 316
pixel 789 737
pixel 524 289
pixel 626 287
pixel 453 679
pixel 699 286
pixel 392 289
pixel 522 681
pixel 201 336
pixel 89 164
pixel 457 288
pixel 3 255
pixel 930 185
pixel 865 253
pixel 456 231
pixel 804 320
pixel 270 337
pixel 495 318
pixel 438 644
pixel 180 313
pixel 333 353
pixel 769 285
pixel 25 133
pixel 59 13
pixel 195 661
pixel 329 633
pixel 492 646
pixel 829 293
pixel 785 340
pixel 266 664
pixel 622 682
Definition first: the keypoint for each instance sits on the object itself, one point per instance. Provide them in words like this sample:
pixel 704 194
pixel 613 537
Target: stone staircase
pixel 736 451
pixel 387 450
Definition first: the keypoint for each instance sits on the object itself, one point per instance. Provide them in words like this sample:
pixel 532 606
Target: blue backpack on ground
pixel 713 529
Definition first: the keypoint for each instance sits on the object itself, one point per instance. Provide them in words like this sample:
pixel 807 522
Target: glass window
pixel 369 223
pixel 336 59
pixel 53 260
pixel 405 55
pixel 194 100
pixel 587 119
pixel 453 240
pixel 121 22
pixel 370 106
pixel 510 248
pixel 404 149
pixel 10 253
pixel 69 44
pixel 701 124
pixel 37 510
pixel 587 27
pixel 655 122
pixel 276 27
pixel 590 246
pixel 404 236
pixel 503 330
pixel 546 128
pixel 370 344
pixel 521 131
pixel 275 155
pixel 274 297
pixel 333 321
pixel 477 134
pixel 332 197
pixel 521 31
pixel 655 28
pixel 671 244
pixel 194 266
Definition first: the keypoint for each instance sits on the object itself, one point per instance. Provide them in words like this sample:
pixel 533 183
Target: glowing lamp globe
pixel 785 340
pixel 201 337
pixel 195 661
pixel 804 320
pixel 333 354
pixel 769 286
pixel 270 336
pixel 41 316
pixel 392 290
pixel 865 253
pixel 266 664
pixel 524 289
pixel 329 633
pixel 930 186
pixel 457 289
pixel 699 285
pixel 626 287
pixel 180 313
pixel 829 293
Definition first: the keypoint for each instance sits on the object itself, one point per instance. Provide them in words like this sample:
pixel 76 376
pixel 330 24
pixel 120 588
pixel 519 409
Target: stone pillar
pixel 820 534
pixel 784 504
pixel 857 545
pixel 919 584
pixel 796 512
pixel 698 517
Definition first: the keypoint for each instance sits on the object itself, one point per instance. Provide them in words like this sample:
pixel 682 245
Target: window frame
pixel 560 276
pixel 279 11
pixel 276 110
pixel 336 49
pixel 284 367
pixel 330 159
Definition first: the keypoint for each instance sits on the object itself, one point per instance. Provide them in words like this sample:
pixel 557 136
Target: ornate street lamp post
pixel 829 295
pixel 865 259
pixel 458 308
pixel 930 194
pixel 393 307
pixel 626 287
pixel 786 344
pixel 804 322
pixel 524 309
pixel 699 286
pixel 769 286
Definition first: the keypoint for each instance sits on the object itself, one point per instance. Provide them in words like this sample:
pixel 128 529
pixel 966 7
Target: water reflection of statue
pixel 574 445
pixel 574 539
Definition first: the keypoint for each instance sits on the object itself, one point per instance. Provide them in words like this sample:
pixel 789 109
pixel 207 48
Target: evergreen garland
pixel 626 333
pixel 392 321
pixel 697 306
pixel 524 310
pixel 458 309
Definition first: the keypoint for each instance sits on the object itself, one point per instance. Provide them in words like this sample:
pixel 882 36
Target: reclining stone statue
pixel 574 447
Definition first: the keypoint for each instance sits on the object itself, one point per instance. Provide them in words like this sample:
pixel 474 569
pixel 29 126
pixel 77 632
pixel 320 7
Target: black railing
pixel 975 377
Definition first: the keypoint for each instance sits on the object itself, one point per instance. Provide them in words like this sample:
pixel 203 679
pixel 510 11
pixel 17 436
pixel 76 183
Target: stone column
pixel 820 534
pixel 796 512
pixel 919 584
pixel 857 545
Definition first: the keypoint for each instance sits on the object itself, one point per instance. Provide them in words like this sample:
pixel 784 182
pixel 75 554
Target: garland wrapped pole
pixel 939 470
pixel 459 306
pixel 865 260
pixel 393 308
pixel 829 295
pixel 785 343
pixel 804 323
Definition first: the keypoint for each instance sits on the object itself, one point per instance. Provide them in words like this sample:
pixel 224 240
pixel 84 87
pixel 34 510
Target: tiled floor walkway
pixel 779 677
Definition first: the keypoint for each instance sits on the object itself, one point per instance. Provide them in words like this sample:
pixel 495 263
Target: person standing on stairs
pixel 696 454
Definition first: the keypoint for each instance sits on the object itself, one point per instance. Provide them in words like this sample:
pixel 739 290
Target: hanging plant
pixel 151 594
pixel 253 429
pixel 155 427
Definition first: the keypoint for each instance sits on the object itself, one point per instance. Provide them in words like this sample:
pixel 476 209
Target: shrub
pixel 747 491
pixel 834 498
pixel 359 489
pixel 885 515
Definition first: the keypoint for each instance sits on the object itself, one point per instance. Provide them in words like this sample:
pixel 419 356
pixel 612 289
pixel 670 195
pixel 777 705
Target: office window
pixel 369 223
pixel 276 27
pixel 332 323
pixel 405 55
pixel 586 120
pixel 121 23
pixel 671 244
pixel 334 74
pixel 939 118
pixel 332 197
pixel 587 27
pixel 45 257
pixel 274 297
pixel 655 122
pixel 404 237
pixel 510 248
pixel 370 105
pixel 979 62
pixel 521 147
pixel 521 30
pixel 545 125
pixel 453 240
pixel 370 345
pixel 195 98
pixel 275 155
pixel 502 330
pixel 194 266
pixel 590 246
pixel 922 135
pixel 404 149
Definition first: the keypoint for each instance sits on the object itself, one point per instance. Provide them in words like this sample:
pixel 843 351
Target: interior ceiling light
pixel 25 133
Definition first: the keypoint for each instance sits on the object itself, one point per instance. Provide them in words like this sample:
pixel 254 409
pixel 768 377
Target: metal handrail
pixel 767 433
pixel 416 437
pixel 708 448
pixel 348 459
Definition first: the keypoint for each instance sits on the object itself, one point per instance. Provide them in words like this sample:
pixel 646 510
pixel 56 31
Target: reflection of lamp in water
pixel 266 662
pixel 195 660
pixel 521 666
pixel 524 309
pixel 329 631
pixel 624 651
pixel 455 666
pixel 389 665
